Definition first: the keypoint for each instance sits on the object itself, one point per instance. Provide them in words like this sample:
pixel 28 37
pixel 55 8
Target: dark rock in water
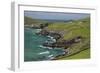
pixel 55 35
pixel 44 25
pixel 44 32
pixel 49 45
pixel 39 26
pixel 63 43
pixel 36 27
pixel 52 34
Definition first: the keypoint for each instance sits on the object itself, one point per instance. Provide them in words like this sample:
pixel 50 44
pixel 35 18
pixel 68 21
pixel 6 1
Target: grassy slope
pixel 73 29
pixel 82 55
pixel 29 21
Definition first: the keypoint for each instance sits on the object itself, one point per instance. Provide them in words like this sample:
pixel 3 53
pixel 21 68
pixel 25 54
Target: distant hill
pixel 29 21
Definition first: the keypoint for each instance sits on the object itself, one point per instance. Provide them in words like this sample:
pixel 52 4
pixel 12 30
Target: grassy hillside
pixel 82 55
pixel 72 29
pixel 30 21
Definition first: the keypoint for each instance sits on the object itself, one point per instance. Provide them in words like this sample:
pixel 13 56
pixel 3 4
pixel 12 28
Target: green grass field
pixel 82 55
pixel 72 29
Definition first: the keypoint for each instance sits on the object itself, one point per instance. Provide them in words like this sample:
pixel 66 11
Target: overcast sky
pixel 55 15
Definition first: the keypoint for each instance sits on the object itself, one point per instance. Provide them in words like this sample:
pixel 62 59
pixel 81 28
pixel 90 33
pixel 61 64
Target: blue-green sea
pixel 33 49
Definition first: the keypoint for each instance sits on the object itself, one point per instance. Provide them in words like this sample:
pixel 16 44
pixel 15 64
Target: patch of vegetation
pixel 81 55
pixel 31 21
pixel 72 29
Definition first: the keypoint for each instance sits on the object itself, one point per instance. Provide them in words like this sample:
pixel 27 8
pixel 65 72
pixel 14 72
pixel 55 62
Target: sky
pixel 55 15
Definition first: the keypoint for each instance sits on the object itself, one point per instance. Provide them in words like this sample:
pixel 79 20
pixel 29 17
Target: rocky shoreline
pixel 55 36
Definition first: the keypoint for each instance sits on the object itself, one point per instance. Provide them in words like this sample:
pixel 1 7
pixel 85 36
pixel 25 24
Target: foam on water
pixel 46 52
pixel 45 47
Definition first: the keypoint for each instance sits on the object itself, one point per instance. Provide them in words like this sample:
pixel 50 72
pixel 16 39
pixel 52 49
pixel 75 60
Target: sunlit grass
pixel 82 55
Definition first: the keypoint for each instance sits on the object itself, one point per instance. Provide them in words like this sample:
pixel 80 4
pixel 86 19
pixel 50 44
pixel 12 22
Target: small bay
pixel 33 49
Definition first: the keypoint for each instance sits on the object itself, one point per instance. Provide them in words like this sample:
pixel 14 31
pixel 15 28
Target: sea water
pixel 33 49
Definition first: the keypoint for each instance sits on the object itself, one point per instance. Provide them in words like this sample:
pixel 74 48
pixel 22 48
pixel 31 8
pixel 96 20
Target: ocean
pixel 33 49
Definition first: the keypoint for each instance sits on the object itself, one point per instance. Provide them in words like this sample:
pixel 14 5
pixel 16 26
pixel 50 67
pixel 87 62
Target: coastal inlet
pixel 34 50
pixel 51 40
